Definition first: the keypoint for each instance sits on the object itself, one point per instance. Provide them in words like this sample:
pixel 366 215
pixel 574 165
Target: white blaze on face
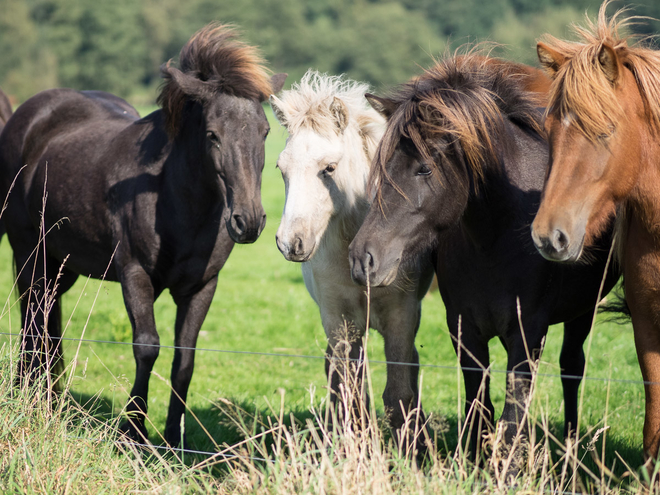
pixel 310 202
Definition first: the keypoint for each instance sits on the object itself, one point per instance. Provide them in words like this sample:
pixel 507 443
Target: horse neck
pixel 644 199
pixel 511 187
pixel 184 169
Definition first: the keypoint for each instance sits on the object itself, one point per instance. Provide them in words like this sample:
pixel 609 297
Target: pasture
pixel 263 343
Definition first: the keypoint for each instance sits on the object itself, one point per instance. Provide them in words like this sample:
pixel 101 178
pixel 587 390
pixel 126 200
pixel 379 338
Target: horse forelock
pixel 582 90
pixel 226 64
pixel 463 101
pixel 307 106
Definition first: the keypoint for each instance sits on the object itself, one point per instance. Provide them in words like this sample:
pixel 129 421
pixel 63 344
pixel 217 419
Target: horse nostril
pixel 239 224
pixel 369 260
pixel 298 246
pixel 560 240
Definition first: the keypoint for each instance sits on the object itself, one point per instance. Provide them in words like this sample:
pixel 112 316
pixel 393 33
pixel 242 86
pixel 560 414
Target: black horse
pixel 5 113
pixel 461 167
pixel 154 203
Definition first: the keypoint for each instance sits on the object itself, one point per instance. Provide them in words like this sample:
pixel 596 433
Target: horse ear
pixel 276 105
pixel 383 106
pixel 609 62
pixel 277 82
pixel 340 113
pixel 549 58
pixel 191 86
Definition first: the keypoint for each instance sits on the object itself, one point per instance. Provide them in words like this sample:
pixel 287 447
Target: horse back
pixel 60 141
pixel 53 114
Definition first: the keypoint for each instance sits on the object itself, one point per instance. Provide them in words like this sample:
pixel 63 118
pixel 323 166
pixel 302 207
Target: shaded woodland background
pixel 118 46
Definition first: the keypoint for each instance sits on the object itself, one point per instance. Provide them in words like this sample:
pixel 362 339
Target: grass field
pixel 261 306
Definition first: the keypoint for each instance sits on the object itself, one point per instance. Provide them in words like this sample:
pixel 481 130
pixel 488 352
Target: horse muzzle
pixel 245 229
pixel 367 270
pixel 295 248
pixel 557 245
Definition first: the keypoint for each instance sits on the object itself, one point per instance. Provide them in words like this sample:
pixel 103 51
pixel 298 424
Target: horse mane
pixel 215 55
pixel 463 99
pixel 580 87
pixel 307 105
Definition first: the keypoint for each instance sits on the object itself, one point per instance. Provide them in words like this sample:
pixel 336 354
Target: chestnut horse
pixel 604 129
pixel 461 167
pixel 154 203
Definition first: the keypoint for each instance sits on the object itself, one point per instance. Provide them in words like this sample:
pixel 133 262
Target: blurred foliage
pixel 119 46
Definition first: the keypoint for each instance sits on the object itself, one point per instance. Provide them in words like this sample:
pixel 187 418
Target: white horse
pixel 333 135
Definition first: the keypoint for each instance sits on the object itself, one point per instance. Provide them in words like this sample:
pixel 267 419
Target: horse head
pixel 444 130
pixel 214 103
pixel 325 164
pixel 603 102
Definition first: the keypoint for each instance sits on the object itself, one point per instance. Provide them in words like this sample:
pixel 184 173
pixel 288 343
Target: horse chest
pixel 191 259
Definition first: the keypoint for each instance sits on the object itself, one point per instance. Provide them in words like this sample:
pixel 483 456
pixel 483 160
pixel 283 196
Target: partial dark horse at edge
pixel 5 113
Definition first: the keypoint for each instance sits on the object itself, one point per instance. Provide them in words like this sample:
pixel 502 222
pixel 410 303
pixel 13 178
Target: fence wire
pixel 372 361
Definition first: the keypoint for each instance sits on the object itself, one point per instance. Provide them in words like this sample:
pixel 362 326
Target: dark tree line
pixel 118 46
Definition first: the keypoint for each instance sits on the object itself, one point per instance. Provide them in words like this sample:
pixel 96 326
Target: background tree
pixel 119 46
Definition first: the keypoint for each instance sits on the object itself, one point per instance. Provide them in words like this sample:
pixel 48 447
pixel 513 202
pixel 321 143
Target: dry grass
pixel 53 445
pixel 62 448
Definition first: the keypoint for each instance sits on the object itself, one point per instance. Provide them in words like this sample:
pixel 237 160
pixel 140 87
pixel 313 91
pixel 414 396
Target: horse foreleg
pixel 474 360
pixel 647 343
pixel 139 297
pixel 572 361
pixel 524 350
pixel 191 312
pixel 401 394
pixel 344 367
pixel 42 321
pixel 641 273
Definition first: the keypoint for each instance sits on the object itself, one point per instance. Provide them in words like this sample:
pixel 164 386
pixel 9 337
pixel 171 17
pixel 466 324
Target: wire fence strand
pixel 374 361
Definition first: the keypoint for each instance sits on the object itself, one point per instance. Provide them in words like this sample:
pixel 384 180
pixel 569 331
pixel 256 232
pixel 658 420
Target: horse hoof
pixel 174 440
pixel 134 433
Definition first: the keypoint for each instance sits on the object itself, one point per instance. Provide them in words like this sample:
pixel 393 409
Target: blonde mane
pixel 582 89
pixel 307 105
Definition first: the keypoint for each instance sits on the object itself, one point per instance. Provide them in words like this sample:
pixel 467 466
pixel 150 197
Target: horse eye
pixel 266 135
pixel 330 167
pixel 212 136
pixel 607 135
pixel 424 170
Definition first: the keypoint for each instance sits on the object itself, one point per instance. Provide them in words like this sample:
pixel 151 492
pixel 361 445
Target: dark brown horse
pixel 460 168
pixel 5 109
pixel 154 203
pixel 604 129
pixel 5 113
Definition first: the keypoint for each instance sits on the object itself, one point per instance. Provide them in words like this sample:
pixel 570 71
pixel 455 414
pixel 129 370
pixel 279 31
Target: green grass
pixel 262 306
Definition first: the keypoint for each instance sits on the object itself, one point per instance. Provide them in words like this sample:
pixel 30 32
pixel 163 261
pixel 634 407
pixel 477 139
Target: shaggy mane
pixel 463 100
pixel 581 87
pixel 215 55
pixel 307 103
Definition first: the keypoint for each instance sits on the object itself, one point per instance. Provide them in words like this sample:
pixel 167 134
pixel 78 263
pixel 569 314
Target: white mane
pixel 306 105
